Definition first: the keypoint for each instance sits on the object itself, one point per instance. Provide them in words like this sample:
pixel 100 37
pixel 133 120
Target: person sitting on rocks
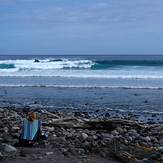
pixel 31 131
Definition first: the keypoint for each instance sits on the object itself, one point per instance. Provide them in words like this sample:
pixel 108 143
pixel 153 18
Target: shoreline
pixel 82 138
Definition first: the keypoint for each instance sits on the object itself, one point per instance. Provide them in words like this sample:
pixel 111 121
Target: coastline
pixel 81 138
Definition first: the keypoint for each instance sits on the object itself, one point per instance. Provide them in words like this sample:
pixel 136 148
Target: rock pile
pixel 111 137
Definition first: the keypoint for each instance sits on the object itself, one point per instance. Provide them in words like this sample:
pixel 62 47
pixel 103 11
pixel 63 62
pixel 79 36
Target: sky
pixel 81 27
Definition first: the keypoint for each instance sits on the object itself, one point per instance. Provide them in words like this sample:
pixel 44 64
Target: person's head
pixel 32 116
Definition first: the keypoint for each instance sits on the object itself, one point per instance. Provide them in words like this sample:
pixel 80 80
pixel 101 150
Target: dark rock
pixel 77 113
pixel 1 124
pixel 90 139
pixel 107 115
pixel 87 104
pixel 6 139
pixel 83 137
pixel 36 60
pixel 9 148
pixel 28 151
pixel 16 135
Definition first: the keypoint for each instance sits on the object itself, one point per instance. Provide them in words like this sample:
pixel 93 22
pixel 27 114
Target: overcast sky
pixel 81 26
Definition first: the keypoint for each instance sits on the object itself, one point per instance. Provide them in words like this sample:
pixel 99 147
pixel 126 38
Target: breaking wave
pixel 83 68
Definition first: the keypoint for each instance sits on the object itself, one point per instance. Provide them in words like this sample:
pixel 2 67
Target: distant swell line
pixel 85 76
pixel 80 86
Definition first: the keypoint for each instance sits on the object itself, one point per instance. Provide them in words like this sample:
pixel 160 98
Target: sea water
pixel 96 84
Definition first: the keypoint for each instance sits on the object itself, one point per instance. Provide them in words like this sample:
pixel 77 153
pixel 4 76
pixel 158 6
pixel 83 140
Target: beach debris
pixel 126 140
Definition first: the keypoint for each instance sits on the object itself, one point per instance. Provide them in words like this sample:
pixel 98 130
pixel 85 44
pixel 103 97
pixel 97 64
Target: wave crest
pixel 81 86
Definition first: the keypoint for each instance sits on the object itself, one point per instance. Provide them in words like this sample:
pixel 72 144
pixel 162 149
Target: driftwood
pixel 110 124
pixel 12 115
pixel 67 119
pixel 131 152
pixel 46 112
pixel 64 124
pixel 90 124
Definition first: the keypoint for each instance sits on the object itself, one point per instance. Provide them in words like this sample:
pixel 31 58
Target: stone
pixel 65 153
pixel 6 138
pixel 102 154
pixel 129 138
pixel 15 128
pixel 107 115
pixel 118 128
pixel 5 129
pixel 76 150
pixel 133 133
pixel 49 128
pixel 49 153
pixel 40 158
pixel 83 137
pixel 73 151
pixel 57 139
pixel 114 132
pixel 147 138
pixel 145 160
pixel 141 138
pixel 16 136
pixel 59 133
pixel 154 139
pixel 90 139
pixel 1 140
pixel 28 151
pixel 95 137
pixel 85 144
pixel 1 124
pixel 1 155
pixel 157 129
pixel 145 144
pixel 156 145
pixel 9 148
pixel 1 110
pixel 121 132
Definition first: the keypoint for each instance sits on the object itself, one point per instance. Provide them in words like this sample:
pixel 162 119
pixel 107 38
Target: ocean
pixel 130 86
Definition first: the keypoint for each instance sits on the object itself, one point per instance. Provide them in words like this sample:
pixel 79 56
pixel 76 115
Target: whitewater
pixel 109 83
pixel 64 67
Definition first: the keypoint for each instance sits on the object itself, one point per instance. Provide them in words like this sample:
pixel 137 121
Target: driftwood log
pixel 101 124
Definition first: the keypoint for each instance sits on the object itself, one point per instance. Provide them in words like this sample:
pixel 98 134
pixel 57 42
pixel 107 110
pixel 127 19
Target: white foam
pixel 48 68
pixel 47 64
pixel 74 74
pixel 79 86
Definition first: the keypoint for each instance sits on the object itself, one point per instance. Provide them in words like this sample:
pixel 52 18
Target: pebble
pixel 49 153
pixel 29 151
pixel 1 155
pixel 90 139
pixel 83 137
pixel 9 148
pixel 1 140
pixel 5 129
pixel 78 141
pixel 6 138
pixel 15 128
pixel 57 139
pixel 49 128
pixel 1 124
pixel 40 158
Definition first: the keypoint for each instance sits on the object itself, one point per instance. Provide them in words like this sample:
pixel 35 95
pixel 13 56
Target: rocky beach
pixel 80 138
